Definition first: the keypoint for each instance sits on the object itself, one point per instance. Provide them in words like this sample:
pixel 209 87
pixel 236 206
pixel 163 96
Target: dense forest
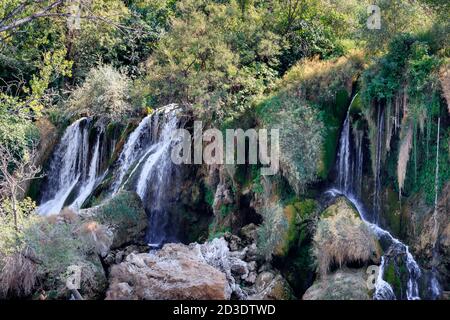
pixel 90 91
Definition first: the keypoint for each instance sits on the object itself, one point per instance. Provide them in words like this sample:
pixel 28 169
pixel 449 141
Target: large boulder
pixel 124 214
pixel 176 271
pixel 344 284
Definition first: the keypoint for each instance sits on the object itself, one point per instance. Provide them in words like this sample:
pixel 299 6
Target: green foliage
pixel 12 240
pixel 257 186
pixel 225 210
pixel 212 57
pixel 407 61
pixel 397 16
pixel 16 132
pixel 407 77
pixel 301 134
pixel 305 208
pixel 426 174
pixel 53 66
pixel 214 232
pixel 124 208
pixel 209 196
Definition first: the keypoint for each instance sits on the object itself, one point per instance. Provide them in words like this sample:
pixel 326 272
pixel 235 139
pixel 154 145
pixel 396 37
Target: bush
pixel 319 81
pixel 301 135
pixel 271 234
pixel 106 93
pixel 42 249
pixel 16 132
pixel 342 237
pixel 18 274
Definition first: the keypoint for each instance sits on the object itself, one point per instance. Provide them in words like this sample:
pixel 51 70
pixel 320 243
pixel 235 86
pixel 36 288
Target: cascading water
pixel 72 175
pixel 88 185
pixel 346 185
pixel 345 173
pixel 135 146
pixel 145 166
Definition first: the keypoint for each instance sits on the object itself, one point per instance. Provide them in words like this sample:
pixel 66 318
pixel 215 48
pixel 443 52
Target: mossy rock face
pixel 341 205
pixel 298 267
pixel 125 214
pixel 392 213
pixel 344 284
pixel 296 261
pixel 290 214
pixel 294 214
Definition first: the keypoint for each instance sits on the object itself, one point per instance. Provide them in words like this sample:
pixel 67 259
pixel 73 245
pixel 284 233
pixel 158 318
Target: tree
pixel 213 57
pixel 16 169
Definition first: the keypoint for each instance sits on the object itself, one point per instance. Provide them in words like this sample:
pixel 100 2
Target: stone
pixel 249 233
pixel 271 286
pixel 176 271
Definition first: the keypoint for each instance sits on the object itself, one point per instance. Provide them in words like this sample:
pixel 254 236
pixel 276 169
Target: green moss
pixel 392 212
pixel 305 208
pixel 209 196
pixel 332 117
pixel 390 276
pixel 225 210
pixel 125 207
pixel 217 232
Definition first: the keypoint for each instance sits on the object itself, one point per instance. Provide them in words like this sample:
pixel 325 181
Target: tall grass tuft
pixel 340 239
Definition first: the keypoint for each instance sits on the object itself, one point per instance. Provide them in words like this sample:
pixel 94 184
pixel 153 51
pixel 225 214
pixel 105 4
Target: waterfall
pixel 345 186
pixel 344 164
pixel 74 169
pixel 383 291
pixel 132 150
pixel 145 166
pixel 88 186
pixel 348 166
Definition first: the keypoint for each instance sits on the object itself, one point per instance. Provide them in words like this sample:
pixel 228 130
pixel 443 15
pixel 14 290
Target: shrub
pixel 271 234
pixel 341 238
pixel 320 80
pixel 106 92
pixel 301 135
pixel 18 274
pixel 16 132
pixel 56 245
pixel 42 248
